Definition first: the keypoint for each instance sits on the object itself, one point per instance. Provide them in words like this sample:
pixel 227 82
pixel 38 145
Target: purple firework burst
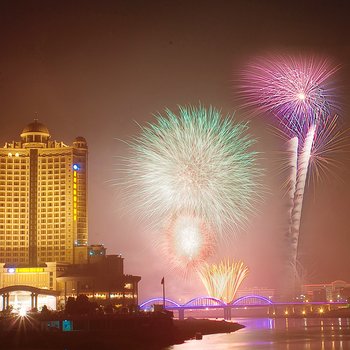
pixel 297 90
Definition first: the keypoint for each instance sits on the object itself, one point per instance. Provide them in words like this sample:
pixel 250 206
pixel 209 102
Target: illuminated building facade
pixel 43 199
pixel 44 252
pixel 50 284
pixel 335 291
pixel 102 280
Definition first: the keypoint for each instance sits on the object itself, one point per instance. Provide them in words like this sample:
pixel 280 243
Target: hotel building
pixel 43 202
pixel 44 227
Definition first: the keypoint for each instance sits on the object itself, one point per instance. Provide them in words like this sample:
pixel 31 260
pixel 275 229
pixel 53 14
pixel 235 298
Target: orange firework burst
pixel 223 280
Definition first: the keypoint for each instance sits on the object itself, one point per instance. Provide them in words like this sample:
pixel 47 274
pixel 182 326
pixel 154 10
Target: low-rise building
pixel 102 279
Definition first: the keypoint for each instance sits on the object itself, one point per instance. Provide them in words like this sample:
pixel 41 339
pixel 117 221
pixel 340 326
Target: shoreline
pixel 188 328
pixel 154 333
pixel 151 332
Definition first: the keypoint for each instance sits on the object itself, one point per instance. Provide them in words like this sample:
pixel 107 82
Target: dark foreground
pixel 136 332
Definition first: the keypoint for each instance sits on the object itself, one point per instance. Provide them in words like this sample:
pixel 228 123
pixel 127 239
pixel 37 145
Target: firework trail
pixel 303 165
pixel 197 167
pixel 329 141
pixel 298 92
pixel 292 165
pixel 223 280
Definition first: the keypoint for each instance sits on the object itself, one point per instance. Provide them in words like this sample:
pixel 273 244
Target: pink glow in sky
pixel 93 69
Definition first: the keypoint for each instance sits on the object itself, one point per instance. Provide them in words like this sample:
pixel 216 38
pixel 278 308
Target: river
pixel 280 334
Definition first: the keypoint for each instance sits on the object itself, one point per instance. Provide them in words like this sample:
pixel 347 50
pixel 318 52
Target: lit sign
pixel 75 167
pixel 29 269
pixel 67 326
pixel 25 269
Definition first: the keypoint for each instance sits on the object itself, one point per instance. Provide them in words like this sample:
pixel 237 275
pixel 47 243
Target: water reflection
pixel 279 333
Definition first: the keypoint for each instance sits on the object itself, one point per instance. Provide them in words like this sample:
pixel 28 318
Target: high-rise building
pixel 44 252
pixel 43 199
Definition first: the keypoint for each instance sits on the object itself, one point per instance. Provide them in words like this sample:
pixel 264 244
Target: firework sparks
pixel 297 91
pixel 330 139
pixel 196 163
pixel 223 280
pixel 188 242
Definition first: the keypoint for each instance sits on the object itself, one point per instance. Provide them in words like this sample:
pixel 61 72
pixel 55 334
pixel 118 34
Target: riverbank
pixel 186 329
pixel 151 332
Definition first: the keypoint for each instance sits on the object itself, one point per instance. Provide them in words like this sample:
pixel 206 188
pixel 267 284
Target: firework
pixel 299 93
pixel 330 139
pixel 291 184
pixel 296 90
pixel 223 280
pixel 188 242
pixel 303 165
pixel 195 164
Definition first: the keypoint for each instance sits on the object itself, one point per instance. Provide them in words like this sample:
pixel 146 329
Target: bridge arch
pixel 251 299
pixel 148 303
pixel 205 301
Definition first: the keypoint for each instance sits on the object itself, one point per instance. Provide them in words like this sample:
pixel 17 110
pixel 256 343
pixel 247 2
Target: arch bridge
pixel 245 302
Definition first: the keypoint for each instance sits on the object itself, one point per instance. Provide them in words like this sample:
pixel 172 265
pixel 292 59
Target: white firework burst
pixel 196 163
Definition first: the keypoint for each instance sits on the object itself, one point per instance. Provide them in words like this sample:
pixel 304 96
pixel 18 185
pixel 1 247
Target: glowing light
pixel 75 167
pixel 321 310
pixel 301 96
pixel 303 312
pixel 195 163
pixel 17 154
pixel 30 269
pixel 222 280
pixel 187 242
pixel 11 270
pixel 22 312
pixel 286 312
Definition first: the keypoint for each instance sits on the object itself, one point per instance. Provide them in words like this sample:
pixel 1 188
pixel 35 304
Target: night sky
pixel 96 69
